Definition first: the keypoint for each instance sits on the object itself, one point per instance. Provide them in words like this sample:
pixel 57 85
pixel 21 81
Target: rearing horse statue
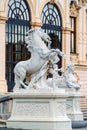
pixel 37 65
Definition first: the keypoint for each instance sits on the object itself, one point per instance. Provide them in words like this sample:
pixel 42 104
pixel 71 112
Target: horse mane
pixel 33 30
pixel 45 37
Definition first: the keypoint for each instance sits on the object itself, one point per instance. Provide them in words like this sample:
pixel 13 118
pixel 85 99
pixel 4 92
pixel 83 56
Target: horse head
pixel 37 38
pixel 45 37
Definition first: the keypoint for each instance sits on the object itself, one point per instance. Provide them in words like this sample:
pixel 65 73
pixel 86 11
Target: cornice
pixel 36 24
pixel 3 19
pixel 66 29
pixel 81 67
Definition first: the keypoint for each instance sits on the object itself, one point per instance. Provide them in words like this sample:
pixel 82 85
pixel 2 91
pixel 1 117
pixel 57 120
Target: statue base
pixel 73 105
pixel 42 109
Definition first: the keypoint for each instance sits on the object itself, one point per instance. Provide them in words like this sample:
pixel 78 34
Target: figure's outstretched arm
pixel 58 51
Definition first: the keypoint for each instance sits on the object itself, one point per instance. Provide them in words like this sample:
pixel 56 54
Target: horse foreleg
pixel 19 78
pixel 17 83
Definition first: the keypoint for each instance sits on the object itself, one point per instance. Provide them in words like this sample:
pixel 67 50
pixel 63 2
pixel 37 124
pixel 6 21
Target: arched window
pixel 17 25
pixel 52 24
pixel 51 15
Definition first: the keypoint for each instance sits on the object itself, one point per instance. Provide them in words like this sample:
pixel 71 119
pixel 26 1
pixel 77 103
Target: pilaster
pixel 80 36
pixel 84 33
pixel 3 85
pixel 66 43
pixel 66 34
pixel 67 20
pixel 37 22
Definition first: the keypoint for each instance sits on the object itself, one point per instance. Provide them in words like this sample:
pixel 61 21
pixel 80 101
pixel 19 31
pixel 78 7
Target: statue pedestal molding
pixel 73 105
pixel 40 109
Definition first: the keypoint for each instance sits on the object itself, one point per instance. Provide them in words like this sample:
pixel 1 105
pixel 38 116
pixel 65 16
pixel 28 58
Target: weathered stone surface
pixel 42 109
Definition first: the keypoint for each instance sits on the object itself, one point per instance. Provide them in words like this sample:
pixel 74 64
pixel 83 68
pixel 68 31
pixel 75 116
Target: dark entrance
pixel 17 25
pixel 52 24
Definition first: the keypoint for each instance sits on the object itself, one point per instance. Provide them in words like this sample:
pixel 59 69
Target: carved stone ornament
pixel 82 2
pixel 74 9
pixel 52 1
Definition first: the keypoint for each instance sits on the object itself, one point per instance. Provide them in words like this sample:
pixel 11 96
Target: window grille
pixel 17 25
pixel 52 24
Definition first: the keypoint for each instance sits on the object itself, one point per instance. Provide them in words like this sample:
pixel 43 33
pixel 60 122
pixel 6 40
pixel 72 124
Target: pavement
pixel 79 125
pixel 76 125
pixel 78 128
pixel 1 128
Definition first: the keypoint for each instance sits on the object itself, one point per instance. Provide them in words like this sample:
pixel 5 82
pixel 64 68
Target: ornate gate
pixel 17 25
pixel 52 24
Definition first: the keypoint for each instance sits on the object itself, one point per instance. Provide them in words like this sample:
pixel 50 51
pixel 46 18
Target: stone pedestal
pixel 42 109
pixel 73 105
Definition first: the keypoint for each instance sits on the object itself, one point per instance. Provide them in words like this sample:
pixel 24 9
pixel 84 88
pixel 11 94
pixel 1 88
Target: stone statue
pixel 68 80
pixel 37 66
pixel 53 68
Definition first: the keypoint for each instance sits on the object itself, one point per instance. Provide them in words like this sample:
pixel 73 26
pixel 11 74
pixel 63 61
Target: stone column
pixel 84 33
pixel 67 14
pixel 37 22
pixel 66 32
pixel 3 85
pixel 66 44
pixel 80 36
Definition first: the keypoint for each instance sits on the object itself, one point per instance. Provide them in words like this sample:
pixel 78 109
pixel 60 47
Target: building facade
pixel 64 20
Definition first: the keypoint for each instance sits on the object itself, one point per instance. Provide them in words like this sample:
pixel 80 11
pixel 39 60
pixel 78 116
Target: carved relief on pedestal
pixel 69 106
pixel 61 108
pixel 73 105
pixel 32 109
